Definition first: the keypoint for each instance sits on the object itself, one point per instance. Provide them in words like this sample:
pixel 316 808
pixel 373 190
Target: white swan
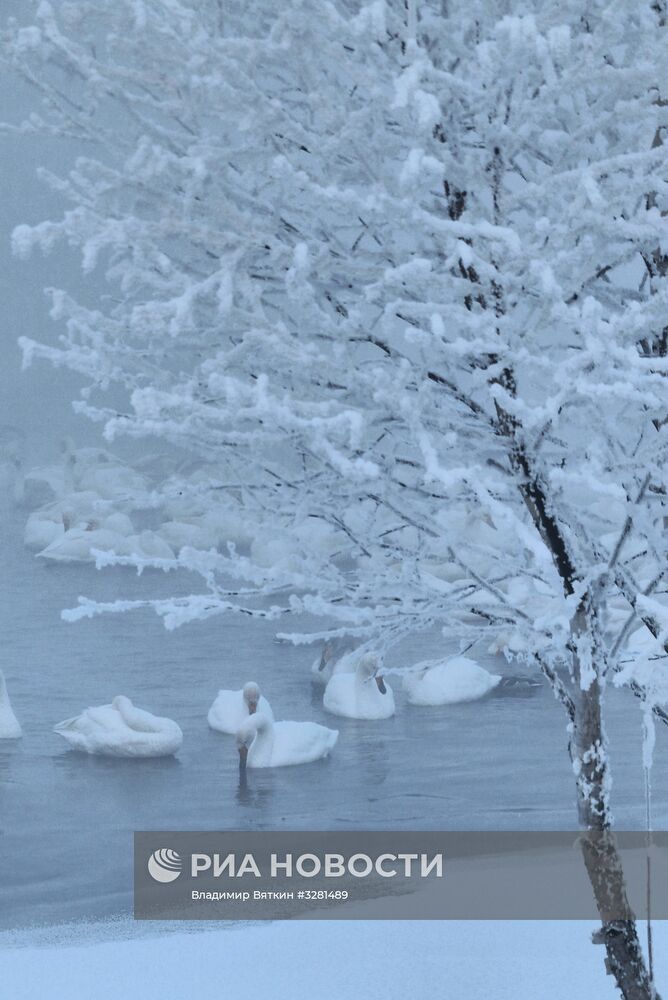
pixel 193 518
pixel 9 724
pixel 148 545
pixel 112 481
pixel 446 682
pixel 49 523
pixel 231 708
pixel 119 523
pixel 76 545
pixel 93 469
pixel 261 742
pixel 113 534
pixel 362 694
pixel 121 730
pixel 338 656
pixel 191 533
pixel 42 529
pixel 99 470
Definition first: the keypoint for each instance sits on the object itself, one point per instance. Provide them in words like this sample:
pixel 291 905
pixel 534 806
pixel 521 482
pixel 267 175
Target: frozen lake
pixel 66 820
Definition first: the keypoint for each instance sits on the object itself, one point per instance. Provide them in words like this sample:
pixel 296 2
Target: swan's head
pixel 326 655
pixel 251 695
pixel 68 449
pixel 335 648
pixel 247 732
pixel 368 668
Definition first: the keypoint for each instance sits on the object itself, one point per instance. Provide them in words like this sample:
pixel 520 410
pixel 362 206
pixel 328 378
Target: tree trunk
pixel 587 748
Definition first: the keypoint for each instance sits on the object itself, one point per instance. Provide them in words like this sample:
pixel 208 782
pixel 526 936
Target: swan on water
pixel 109 535
pixel 88 469
pixel 261 742
pixel 121 730
pixel 9 724
pixel 231 708
pixel 49 523
pixel 338 656
pixel 448 681
pixel 191 533
pixel 149 545
pixel 76 544
pixel 362 694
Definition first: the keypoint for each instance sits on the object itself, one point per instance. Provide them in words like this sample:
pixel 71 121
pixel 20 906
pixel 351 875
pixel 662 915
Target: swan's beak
pixel 243 756
pixel 252 707
pixel 380 683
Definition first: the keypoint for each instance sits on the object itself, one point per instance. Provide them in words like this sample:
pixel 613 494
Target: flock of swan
pixel 94 493
pixel 93 508
pixel 354 688
pixel 100 504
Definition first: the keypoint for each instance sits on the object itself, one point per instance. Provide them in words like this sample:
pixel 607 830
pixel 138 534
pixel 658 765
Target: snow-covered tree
pixel 396 273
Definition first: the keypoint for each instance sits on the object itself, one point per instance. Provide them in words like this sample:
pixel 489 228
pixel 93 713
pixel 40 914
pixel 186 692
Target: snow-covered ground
pixel 323 960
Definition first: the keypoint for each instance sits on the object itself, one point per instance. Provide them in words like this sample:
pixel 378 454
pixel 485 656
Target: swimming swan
pixel 338 656
pixel 121 730
pixel 9 724
pixel 362 694
pixel 49 523
pixel 231 708
pixel 79 543
pixel 94 469
pixel 446 682
pixel 261 742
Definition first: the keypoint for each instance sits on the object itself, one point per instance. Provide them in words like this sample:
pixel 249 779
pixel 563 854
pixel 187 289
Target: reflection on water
pixel 498 763
pixel 254 797
pixel 116 768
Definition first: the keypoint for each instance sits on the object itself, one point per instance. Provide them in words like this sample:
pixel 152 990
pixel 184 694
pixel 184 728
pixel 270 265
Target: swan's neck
pixel 135 720
pixel 69 478
pixel 6 713
pixel 262 746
